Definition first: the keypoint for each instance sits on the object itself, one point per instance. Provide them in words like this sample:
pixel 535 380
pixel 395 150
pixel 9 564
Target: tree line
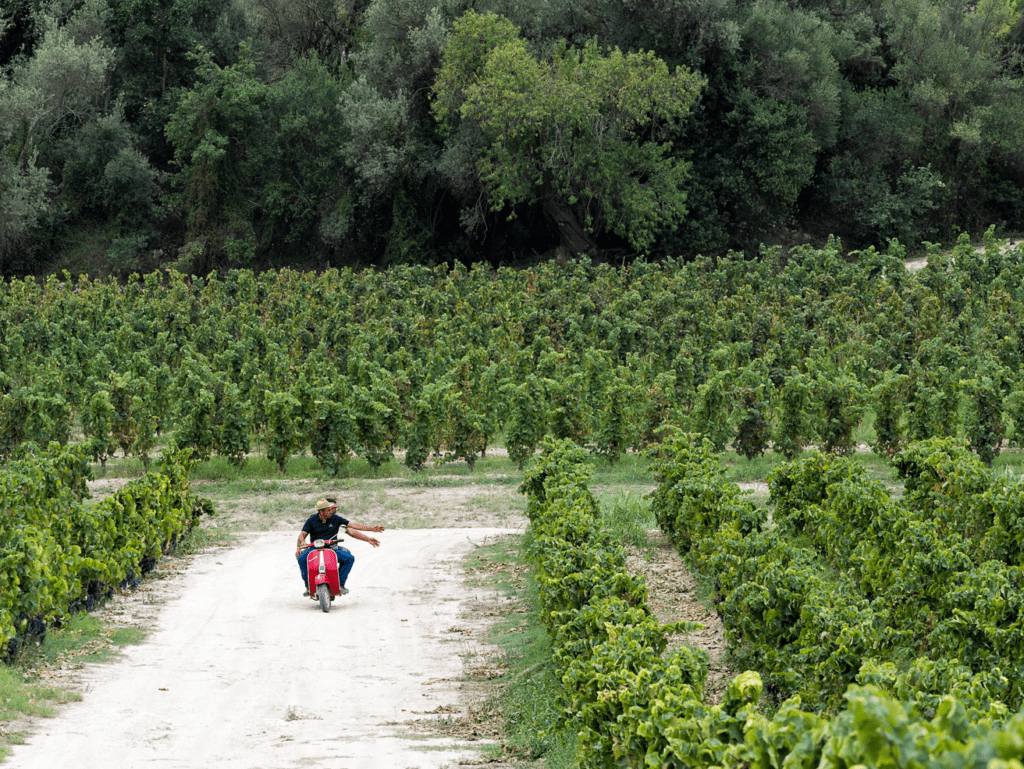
pixel 208 134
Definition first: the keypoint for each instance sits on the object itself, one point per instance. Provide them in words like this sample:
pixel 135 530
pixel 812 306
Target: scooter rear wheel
pixel 323 594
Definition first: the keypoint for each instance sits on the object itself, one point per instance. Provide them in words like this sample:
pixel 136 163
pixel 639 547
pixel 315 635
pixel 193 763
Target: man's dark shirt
pixel 319 530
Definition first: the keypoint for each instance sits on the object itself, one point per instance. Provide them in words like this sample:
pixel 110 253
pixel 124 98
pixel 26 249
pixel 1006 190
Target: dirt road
pixel 241 671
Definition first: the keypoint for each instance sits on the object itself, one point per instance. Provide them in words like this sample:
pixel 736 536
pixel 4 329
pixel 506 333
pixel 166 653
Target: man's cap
pixel 323 504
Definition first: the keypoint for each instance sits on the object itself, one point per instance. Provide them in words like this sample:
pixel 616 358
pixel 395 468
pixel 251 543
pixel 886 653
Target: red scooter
pixel 322 570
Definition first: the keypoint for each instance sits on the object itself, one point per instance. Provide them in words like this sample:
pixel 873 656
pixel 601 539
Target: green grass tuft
pixel 628 517
pixel 528 699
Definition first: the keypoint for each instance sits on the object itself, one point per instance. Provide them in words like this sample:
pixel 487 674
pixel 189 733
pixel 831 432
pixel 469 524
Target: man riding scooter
pixel 324 524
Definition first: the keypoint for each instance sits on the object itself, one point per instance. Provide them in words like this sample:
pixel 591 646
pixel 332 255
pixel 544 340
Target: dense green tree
pixel 63 84
pixel 156 41
pixel 772 103
pixel 55 91
pixel 403 131
pixel 212 130
pixel 751 158
pixel 285 32
pixel 577 133
pixel 25 189
pixel 304 194
pixel 18 30
pixel 928 125
pixel 108 175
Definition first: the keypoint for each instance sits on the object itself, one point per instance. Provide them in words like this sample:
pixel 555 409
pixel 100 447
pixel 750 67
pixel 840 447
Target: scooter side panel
pixel 322 566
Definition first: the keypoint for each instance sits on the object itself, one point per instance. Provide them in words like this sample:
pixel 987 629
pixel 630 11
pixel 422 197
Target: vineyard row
pixel 633 705
pixel 60 554
pixel 779 353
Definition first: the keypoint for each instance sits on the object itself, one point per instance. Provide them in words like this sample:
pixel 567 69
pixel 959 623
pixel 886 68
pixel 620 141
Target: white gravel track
pixel 242 672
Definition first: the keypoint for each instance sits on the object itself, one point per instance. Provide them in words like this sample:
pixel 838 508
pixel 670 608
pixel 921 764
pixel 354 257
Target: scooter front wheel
pixel 323 594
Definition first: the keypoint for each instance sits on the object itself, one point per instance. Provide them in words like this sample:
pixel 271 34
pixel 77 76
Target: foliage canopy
pixel 577 133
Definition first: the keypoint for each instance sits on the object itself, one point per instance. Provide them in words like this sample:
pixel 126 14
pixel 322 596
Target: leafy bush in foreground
pixel 57 552
pixel 846 577
pixel 634 706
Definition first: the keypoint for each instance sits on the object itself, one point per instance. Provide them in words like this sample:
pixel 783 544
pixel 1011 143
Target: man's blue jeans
pixel 345 561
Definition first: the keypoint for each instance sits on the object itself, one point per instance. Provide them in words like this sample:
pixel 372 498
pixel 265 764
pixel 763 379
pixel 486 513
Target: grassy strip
pixel 629 468
pixel 81 637
pixel 262 474
pixel 628 518
pixel 20 698
pixel 22 693
pixel 529 690
pixel 199 538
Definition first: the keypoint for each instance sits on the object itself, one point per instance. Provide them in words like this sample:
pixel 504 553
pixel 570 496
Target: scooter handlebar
pixel 319 543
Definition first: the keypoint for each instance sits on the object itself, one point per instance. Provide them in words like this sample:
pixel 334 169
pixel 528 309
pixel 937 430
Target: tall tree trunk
pixel 575 239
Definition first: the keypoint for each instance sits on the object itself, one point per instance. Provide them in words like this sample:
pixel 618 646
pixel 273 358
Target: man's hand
pixel 355 530
pixel 358 534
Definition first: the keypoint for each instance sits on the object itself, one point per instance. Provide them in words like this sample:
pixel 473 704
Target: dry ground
pixel 673 595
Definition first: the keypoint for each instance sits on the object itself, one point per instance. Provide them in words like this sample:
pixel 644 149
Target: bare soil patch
pixel 433 503
pixel 674 595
